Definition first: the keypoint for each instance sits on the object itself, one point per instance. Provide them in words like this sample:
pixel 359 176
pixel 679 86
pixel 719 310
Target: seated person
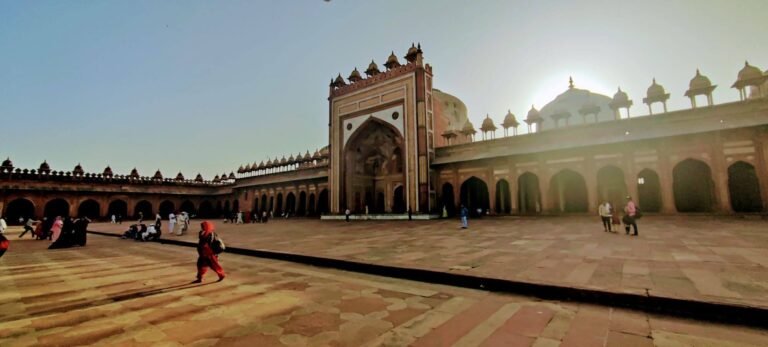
pixel 131 232
pixel 152 233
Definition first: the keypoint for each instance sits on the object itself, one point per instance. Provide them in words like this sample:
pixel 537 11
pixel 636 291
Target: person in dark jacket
pixel 464 213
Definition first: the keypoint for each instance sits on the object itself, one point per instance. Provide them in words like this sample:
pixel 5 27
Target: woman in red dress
pixel 206 257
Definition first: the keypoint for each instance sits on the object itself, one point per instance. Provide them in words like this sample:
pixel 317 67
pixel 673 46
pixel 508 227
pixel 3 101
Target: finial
pixel 746 63
pixel 654 80
pixel 619 89
pixel 570 82
pixel 697 72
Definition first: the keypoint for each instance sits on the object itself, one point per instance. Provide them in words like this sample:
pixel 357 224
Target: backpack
pixel 217 244
pixel 638 213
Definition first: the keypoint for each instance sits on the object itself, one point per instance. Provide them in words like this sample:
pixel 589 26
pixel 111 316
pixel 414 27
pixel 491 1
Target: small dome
pixel 7 163
pixel 134 173
pixel 307 156
pixel 179 176
pixel 487 124
pixel 232 175
pixel 510 121
pixel 283 161
pixel 261 165
pixel 412 53
pixel 372 69
pixel 291 159
pixel 44 167
pixel 533 116
pixel 240 169
pixel 749 72
pixel 468 128
pixel 199 178
pixel 107 172
pixel 78 170
pixel 158 175
pixel 216 179
pixel 324 152
pixel 620 96
pixel 392 61
pixel 699 81
pixel 354 76
pixel 655 90
pixel 247 168
pixel 269 163
pixel 316 155
pixel 338 82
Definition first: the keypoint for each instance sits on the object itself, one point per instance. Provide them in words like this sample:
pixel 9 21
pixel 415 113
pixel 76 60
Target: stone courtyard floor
pixel 123 293
pixel 709 259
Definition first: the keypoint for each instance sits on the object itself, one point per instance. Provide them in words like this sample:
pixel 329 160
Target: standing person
pixel 119 219
pixel 114 219
pixel 445 212
pixel 3 225
pixel 141 217
pixel 239 217
pixel 347 212
pixel 28 227
pixel 205 256
pixel 171 223
pixel 605 214
pixel 264 216
pixel 464 213
pixel 58 224
pixel 630 217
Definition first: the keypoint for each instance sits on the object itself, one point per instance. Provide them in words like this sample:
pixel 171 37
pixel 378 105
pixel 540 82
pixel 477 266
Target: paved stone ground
pixel 708 259
pixel 124 293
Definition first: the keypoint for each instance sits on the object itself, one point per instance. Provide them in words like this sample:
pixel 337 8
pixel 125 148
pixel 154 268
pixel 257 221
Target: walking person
pixel 240 217
pixel 630 216
pixel 347 212
pixel 264 217
pixel 206 257
pixel 58 224
pixel 464 213
pixel 4 243
pixel 605 214
pixel 28 227
pixel 141 217
pixel 114 219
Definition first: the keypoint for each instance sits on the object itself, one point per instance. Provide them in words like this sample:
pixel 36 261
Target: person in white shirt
pixel 605 215
pixel 171 222
pixel 114 219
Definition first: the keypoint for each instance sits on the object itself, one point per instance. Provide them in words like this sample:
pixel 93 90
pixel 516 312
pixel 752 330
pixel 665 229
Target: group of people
pixel 152 232
pixel 610 217
pixel 63 232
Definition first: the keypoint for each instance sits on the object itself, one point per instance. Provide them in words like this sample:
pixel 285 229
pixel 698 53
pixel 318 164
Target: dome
pixel 7 163
pixel 316 155
pixel 510 121
pixel 573 101
pixel 269 163
pixel 158 175
pixel 78 169
pixel 412 52
pixel 44 167
pixel 261 165
pixel 699 81
pixel 354 76
pixel 232 175
pixel 291 159
pixel 620 96
pixel 199 178
pixel 454 111
pixel 534 116
pixel 216 179
pixel 324 152
pixel 307 156
pixel 468 128
pixel 179 176
pixel 134 173
pixel 247 168
pixel 749 72
pixel 240 169
pixel 283 161
pixel 392 61
pixel 655 90
pixel 107 172
pixel 338 82
pixel 488 124
pixel 372 69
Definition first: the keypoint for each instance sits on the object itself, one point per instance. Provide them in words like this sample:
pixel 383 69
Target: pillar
pixel 720 176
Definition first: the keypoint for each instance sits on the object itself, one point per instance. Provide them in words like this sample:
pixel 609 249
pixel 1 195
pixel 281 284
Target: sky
pixel 206 86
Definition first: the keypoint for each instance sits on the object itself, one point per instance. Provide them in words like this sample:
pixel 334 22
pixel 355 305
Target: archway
pixel 302 209
pixel 56 208
pixel 219 209
pixel 398 200
pixel 145 207
pixel 118 207
pixel 290 203
pixel 206 210
pixel 19 208
pixel 89 208
pixel 648 191
pixel 611 186
pixel 528 194
pixel 381 203
pixel 448 199
pixel 569 192
pixel 236 206
pixel 188 207
pixel 693 186
pixel 322 202
pixel 474 195
pixel 503 197
pixel 279 204
pixel 311 205
pixel 743 188
pixel 227 210
pixel 373 161
pixel 264 206
pixel 166 208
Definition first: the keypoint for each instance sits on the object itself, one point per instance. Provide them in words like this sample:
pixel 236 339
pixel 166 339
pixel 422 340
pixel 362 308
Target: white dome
pixel 571 101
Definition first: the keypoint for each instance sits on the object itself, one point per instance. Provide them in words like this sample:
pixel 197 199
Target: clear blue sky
pixel 204 86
